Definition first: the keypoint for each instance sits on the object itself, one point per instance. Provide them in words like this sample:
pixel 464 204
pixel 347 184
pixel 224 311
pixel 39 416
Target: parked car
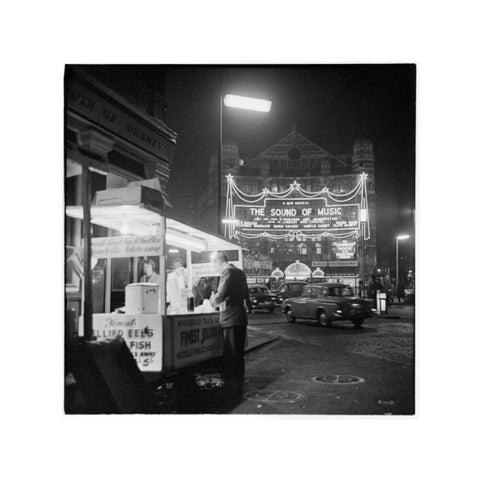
pixel 328 302
pixel 289 289
pixel 262 298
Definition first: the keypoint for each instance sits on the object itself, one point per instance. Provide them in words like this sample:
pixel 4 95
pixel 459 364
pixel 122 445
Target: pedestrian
pixel 361 289
pixel 233 301
pixel 401 292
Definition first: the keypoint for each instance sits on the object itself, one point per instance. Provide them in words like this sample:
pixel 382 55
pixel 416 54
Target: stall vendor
pixel 177 287
pixel 149 275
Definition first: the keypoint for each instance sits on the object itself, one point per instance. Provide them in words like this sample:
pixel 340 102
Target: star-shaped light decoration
pixel 295 185
pixel 229 177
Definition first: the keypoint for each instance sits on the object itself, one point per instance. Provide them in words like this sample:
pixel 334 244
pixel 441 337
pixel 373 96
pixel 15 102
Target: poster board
pixel 142 333
pixel 191 339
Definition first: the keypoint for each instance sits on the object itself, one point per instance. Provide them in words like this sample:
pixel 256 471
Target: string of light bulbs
pixel 360 189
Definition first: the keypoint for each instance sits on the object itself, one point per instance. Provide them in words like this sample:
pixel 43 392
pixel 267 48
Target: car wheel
pixel 357 322
pixel 271 309
pixel 289 315
pixel 323 319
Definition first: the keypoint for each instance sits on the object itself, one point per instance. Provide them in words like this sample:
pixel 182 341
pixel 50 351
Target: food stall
pixel 162 334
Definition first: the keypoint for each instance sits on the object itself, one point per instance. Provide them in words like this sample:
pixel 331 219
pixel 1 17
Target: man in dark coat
pixel 232 300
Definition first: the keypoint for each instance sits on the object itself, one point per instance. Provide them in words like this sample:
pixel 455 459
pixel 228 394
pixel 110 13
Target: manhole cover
pixel 338 379
pixel 273 396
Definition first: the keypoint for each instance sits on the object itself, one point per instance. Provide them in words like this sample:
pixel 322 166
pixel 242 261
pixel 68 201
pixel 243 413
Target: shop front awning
pixel 144 219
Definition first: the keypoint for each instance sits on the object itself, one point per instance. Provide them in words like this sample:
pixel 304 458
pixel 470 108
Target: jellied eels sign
pixel 290 214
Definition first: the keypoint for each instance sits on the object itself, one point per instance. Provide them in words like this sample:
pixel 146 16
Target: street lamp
pixel 399 237
pixel 244 103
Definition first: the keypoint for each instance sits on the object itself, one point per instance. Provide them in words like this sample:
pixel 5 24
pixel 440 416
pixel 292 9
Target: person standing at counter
pixel 149 275
pixel 232 298
pixel 176 287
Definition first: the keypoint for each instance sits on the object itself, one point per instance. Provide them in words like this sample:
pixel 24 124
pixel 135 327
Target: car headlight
pixel 339 311
pixel 374 309
pixel 254 301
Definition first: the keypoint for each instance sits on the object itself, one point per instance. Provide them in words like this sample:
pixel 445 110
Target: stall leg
pixel 87 253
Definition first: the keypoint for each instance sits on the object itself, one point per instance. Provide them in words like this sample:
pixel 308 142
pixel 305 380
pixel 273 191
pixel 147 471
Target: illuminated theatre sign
pixel 297 213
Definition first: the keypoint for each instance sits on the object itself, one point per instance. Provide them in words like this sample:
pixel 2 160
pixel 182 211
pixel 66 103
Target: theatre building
pixel 296 203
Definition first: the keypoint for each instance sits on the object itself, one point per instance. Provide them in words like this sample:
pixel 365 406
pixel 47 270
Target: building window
pixel 318 248
pixel 325 167
pixel 294 153
pixel 274 187
pixel 302 249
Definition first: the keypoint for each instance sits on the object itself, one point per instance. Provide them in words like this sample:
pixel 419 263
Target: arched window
pixel 302 249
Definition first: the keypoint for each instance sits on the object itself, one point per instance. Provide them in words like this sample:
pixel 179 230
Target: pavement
pixel 302 368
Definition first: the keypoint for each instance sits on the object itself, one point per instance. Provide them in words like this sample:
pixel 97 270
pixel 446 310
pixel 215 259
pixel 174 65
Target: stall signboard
pixel 127 246
pixel 142 334
pixel 344 250
pixel 194 338
pixel 207 269
pixel 297 214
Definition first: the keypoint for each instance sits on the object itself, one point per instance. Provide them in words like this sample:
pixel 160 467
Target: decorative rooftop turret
pixel 363 159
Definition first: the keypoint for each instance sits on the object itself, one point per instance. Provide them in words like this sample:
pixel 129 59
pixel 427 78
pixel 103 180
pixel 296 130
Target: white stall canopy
pixel 137 210
pixel 144 220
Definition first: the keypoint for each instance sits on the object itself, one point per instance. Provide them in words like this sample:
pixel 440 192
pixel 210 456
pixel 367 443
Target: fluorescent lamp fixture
pixel 172 250
pixel 247 103
pixel 363 214
pixel 184 242
pixel 124 230
pixel 403 237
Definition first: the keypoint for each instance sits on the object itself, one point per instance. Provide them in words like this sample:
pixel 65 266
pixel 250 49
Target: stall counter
pixel 161 344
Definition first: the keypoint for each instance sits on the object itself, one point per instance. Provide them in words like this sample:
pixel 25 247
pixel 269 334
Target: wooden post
pixel 162 271
pixel 87 253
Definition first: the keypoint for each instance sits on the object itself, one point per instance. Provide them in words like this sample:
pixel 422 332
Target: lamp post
pixel 363 220
pixel 244 103
pixel 399 237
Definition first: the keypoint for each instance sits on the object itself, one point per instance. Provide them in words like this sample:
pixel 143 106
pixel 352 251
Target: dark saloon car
pixel 289 289
pixel 327 303
pixel 261 298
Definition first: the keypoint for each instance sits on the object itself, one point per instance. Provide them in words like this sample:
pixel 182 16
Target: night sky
pixel 331 105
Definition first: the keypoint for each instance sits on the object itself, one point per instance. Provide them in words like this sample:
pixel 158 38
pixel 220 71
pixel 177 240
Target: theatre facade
pixel 298 209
